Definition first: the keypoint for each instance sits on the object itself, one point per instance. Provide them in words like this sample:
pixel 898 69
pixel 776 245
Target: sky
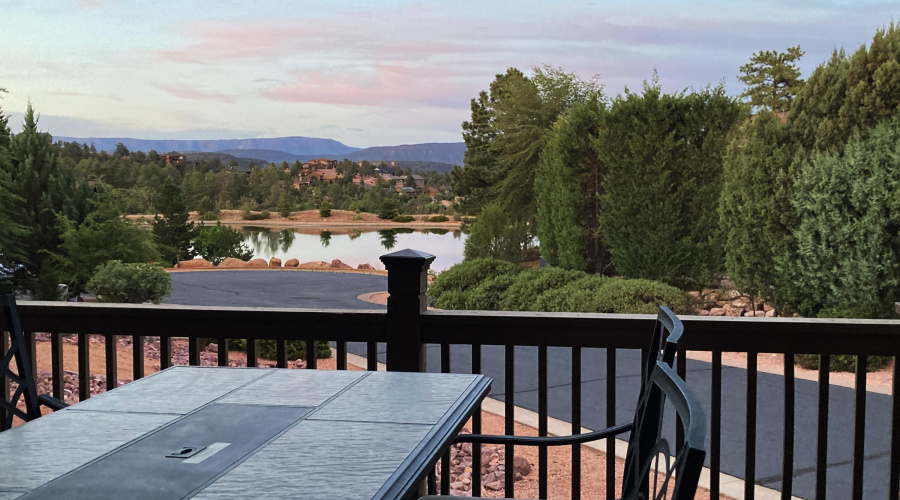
pixel 373 72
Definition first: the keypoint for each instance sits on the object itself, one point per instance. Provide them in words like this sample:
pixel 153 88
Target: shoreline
pixel 312 219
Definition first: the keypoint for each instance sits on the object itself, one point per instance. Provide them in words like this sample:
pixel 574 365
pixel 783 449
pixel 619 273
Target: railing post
pixel 407 280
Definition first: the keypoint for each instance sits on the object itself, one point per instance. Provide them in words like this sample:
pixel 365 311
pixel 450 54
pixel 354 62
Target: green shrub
pixel 562 299
pixel 403 218
pixel 487 295
pixel 465 275
pixel 248 215
pixel 439 218
pixel 325 209
pixel 130 283
pixel 468 220
pixel 209 216
pixel 531 283
pixel 296 349
pixel 451 299
pixel 840 362
pixel 622 296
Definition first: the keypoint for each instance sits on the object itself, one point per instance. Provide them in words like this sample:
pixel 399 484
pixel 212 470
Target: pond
pixel 354 246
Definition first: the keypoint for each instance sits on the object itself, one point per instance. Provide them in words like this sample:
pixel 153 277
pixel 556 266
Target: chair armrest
pixel 51 402
pixel 544 440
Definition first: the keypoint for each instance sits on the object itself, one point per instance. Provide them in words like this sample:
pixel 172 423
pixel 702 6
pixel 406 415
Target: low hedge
pixel 522 295
pixel 465 275
pixel 841 362
pixel 439 218
pixel 403 218
pixel 296 349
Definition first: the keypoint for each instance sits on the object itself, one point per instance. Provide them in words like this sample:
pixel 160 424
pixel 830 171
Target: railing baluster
pixel 341 355
pixel 252 360
pixel 445 458
pixel 542 420
pixel 750 445
pixel 165 352
pixel 509 394
pixel 137 356
pixel 281 354
pixel 112 362
pixel 787 467
pixel 576 422
pixel 476 428
pixel 56 359
pixel 822 427
pixel 894 480
pixel 222 355
pixel 312 355
pixel 84 367
pixel 193 351
pixel 372 356
pixel 715 425
pixel 610 421
pixel 859 427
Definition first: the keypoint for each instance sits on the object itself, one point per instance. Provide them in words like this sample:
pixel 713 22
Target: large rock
pixel 521 465
pixel 717 311
pixel 194 264
pixel 337 264
pixel 232 263
pixel 274 262
pixel 257 263
pixel 367 267
pixel 314 265
pixel 292 263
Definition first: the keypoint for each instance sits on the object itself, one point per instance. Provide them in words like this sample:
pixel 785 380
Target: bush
pixel 465 275
pixel 439 218
pixel 468 220
pixel 531 283
pixel 840 362
pixel 403 218
pixel 325 209
pixel 389 209
pixel 563 299
pixel 632 297
pixel 296 349
pixel 487 295
pixel 130 283
pixel 209 216
pixel 248 215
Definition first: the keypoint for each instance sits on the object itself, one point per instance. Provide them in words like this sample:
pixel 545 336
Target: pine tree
pixel 772 79
pixel 172 230
pixel 12 232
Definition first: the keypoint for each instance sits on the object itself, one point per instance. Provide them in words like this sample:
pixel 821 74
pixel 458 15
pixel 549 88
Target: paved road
pixel 337 290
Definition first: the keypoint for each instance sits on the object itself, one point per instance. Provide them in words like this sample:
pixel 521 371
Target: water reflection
pixel 354 246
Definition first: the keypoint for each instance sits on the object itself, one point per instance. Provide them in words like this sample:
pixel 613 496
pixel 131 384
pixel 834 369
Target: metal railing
pixel 462 339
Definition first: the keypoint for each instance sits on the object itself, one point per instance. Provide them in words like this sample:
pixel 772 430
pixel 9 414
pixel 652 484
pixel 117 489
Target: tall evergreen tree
pixel 172 230
pixel 12 232
pixel 754 208
pixel 663 154
pixel 48 190
pixel 568 187
pixel 772 79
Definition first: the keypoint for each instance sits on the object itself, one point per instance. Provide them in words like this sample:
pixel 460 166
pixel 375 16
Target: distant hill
pixel 438 152
pixel 268 155
pixel 291 145
pixel 226 159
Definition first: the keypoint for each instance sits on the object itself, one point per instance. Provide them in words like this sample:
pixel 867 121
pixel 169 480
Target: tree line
pixel 790 190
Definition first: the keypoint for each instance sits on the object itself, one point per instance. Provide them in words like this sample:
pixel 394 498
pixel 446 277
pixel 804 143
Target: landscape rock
pixel 231 262
pixel 194 264
pixel 274 262
pixel 367 267
pixel 717 311
pixel 258 263
pixel 292 263
pixel 337 264
pixel 770 313
pixel 314 265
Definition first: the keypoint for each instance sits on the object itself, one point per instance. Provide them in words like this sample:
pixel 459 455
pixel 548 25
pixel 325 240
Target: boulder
pixel 292 263
pixel 521 466
pixel 717 311
pixel 257 263
pixel 367 267
pixel 194 264
pixel 314 265
pixel 232 263
pixel 770 313
pixel 741 302
pixel 703 312
pixel 337 264
pixel 274 262
pixel 730 294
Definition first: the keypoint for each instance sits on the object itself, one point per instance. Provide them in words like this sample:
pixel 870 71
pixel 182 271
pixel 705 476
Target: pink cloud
pixel 193 93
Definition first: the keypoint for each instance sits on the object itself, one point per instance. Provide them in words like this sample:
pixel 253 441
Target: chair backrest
pixel 16 367
pixel 653 469
pixel 664 343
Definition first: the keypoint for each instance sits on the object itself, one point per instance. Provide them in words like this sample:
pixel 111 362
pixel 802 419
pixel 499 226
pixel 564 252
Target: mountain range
pixel 288 149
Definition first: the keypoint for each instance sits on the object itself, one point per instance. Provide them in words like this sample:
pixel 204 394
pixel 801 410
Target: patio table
pixel 218 432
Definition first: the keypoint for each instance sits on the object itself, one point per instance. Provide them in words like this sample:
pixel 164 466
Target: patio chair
pixel 22 375
pixel 663 346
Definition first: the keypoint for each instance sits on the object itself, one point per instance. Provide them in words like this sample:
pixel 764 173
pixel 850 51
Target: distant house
pixel 173 157
pixel 320 163
pixel 326 175
pixel 446 204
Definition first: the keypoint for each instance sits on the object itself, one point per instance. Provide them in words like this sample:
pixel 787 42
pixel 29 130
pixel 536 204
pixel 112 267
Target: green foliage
pixel 522 295
pixel 102 237
pixel 172 230
pixel 284 206
pixel 209 216
pixel 216 243
pixel 663 154
pixel 847 242
pixel 487 295
pixel 12 231
pixel 325 209
pixel 296 349
pixel 772 79
pixel 438 218
pixel 389 208
pixel 130 283
pixel 632 297
pixel 568 187
pixel 495 236
pixel 248 215
pixel 465 275
pixel 754 207
pixel 841 362
pixel 575 296
pixel 404 218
